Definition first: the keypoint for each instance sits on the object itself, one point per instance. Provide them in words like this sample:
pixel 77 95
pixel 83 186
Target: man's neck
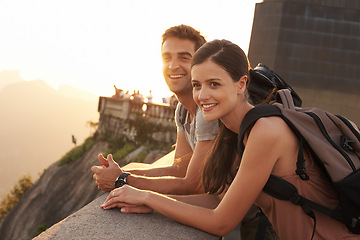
pixel 188 102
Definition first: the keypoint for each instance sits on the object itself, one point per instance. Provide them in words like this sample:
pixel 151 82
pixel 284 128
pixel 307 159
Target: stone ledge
pixel 92 222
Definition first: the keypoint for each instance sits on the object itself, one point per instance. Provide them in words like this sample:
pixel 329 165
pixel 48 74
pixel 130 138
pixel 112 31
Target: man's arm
pixel 190 184
pixel 180 160
pixel 106 174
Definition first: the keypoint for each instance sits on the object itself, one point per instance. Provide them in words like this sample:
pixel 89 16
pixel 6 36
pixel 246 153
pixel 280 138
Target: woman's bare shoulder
pixel 270 127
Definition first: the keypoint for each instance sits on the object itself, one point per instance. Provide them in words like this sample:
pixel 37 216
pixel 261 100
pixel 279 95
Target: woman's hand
pixel 128 198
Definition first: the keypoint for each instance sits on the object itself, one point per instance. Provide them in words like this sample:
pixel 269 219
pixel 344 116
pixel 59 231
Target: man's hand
pixel 106 174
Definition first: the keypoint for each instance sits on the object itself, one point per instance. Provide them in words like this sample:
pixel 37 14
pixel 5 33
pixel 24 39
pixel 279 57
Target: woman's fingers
pixel 123 195
pixel 115 196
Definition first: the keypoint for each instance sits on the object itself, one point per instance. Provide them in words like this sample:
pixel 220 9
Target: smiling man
pixel 193 141
pixel 194 134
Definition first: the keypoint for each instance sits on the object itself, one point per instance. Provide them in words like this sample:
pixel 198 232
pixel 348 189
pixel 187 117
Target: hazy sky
pixel 93 45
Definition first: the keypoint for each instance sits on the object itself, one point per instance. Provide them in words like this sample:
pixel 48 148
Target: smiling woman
pixel 219 70
pixel 93 45
pixel 212 88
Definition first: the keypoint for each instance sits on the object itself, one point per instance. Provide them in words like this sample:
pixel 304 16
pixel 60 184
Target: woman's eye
pixel 196 85
pixel 214 84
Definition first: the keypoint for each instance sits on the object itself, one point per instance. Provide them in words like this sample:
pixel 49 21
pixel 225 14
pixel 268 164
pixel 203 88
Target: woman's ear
pixel 242 84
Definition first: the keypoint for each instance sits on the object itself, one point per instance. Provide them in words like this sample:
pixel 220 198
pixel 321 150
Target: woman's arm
pixel 203 200
pixel 263 148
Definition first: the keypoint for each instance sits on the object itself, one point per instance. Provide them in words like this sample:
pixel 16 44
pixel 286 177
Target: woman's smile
pixel 208 107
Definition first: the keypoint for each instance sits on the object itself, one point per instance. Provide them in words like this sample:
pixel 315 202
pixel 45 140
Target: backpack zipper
pixel 326 135
pixel 350 126
pixel 352 129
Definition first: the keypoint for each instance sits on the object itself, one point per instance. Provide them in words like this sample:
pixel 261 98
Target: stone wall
pixel 92 222
pixel 121 117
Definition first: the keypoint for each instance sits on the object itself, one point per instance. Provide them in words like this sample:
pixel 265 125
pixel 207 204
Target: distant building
pixel 315 46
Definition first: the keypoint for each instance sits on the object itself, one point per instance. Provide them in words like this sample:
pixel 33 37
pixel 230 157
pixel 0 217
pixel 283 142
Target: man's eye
pixel 166 59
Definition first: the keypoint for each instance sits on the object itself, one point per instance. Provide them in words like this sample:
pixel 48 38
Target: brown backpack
pixel 334 143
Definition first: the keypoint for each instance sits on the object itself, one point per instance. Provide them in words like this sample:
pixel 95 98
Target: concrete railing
pixel 92 222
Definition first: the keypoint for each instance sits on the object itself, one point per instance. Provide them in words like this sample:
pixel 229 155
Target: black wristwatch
pixel 121 180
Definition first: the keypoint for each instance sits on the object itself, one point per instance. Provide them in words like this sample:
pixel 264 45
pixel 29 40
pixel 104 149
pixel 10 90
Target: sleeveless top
pixel 289 220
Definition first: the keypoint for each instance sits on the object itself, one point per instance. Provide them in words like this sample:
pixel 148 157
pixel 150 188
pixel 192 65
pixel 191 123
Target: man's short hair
pixel 184 32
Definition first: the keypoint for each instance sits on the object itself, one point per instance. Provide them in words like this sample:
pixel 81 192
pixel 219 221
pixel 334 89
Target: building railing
pixel 130 109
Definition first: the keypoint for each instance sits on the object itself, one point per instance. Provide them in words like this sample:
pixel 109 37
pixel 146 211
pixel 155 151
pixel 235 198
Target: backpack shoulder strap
pixel 183 113
pixel 284 190
pixel 251 117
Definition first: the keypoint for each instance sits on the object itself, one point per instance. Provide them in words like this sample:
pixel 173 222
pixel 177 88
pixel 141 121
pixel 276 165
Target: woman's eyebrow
pixel 212 79
pixel 207 80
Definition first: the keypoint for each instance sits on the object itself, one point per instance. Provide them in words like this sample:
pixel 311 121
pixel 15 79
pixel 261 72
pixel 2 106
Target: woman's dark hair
pixel 217 171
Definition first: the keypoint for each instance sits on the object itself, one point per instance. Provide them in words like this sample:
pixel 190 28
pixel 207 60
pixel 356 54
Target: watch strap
pixel 121 180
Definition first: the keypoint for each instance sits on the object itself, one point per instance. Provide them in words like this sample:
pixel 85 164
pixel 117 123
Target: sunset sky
pixel 93 45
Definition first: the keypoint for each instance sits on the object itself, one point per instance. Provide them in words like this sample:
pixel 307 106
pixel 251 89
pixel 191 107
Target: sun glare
pixel 93 45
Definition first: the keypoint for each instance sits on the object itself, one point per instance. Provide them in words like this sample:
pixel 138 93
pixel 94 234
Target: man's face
pixel 176 63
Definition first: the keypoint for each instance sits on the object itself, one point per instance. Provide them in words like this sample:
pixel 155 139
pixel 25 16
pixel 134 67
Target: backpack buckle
pixel 355 222
pixel 345 143
pixel 302 174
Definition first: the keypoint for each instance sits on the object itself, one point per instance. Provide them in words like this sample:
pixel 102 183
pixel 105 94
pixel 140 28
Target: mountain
pixel 9 77
pixel 74 93
pixel 36 127
pixel 60 191
pixel 36 130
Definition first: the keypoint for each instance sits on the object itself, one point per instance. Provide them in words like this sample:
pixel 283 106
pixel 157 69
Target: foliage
pixel 124 151
pixel 8 202
pixel 144 129
pixel 121 146
pixel 93 126
pixel 140 157
pixel 40 229
pixel 77 151
pixel 166 147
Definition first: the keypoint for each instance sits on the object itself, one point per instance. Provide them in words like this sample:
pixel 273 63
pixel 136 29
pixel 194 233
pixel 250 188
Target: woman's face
pixel 214 91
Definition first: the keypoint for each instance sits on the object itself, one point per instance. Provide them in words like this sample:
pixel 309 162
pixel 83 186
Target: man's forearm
pixel 155 171
pixel 166 166
pixel 166 184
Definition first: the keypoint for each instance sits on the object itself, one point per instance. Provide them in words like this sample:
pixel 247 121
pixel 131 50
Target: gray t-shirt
pixel 198 129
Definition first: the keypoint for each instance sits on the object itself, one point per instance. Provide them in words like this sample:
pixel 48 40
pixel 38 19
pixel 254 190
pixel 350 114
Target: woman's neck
pixel 233 120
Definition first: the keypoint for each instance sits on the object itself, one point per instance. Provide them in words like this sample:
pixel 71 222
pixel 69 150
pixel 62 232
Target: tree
pixel 8 202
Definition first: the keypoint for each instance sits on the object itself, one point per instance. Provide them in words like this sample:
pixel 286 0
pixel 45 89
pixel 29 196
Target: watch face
pixel 119 183
pixel 121 180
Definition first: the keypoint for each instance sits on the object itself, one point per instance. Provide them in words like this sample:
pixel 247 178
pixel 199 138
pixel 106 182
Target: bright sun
pixel 93 45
